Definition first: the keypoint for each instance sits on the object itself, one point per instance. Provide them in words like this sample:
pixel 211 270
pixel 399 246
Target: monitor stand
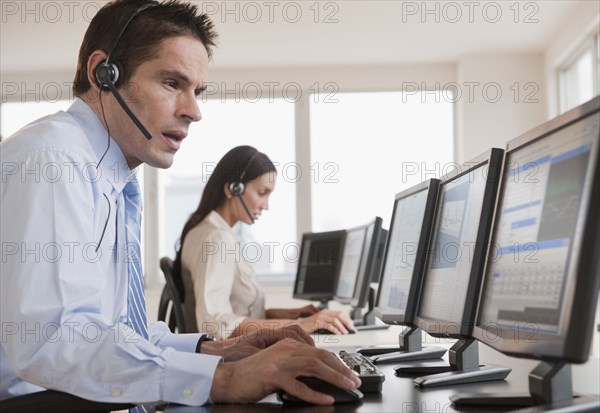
pixel 463 368
pixel 367 322
pixel 550 389
pixel 356 316
pixel 323 304
pixel 410 348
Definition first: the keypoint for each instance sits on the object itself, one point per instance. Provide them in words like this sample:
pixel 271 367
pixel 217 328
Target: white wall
pixel 503 96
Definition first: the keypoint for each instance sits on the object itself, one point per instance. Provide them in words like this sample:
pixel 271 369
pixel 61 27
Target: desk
pixel 400 395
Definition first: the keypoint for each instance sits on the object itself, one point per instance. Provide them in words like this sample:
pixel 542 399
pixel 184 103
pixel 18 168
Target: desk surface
pixel 399 393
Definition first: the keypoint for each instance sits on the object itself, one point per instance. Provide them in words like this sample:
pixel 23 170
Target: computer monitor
pixel 540 289
pixel 361 265
pixel 319 265
pixel 401 277
pixel 408 238
pixel 370 265
pixel 454 267
pixel 351 260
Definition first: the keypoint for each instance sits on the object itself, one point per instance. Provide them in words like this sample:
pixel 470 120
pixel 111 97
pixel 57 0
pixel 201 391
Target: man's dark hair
pixel 143 35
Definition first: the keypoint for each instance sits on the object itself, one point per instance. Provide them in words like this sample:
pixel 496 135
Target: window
pixel 366 147
pixel 267 125
pixel 579 76
pixel 15 115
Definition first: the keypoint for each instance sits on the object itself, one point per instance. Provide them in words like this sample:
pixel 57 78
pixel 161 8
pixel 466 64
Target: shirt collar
pixel 113 167
pixel 217 220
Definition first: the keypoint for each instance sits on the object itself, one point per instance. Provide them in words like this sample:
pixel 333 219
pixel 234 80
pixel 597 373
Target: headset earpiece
pixel 106 73
pixel 237 188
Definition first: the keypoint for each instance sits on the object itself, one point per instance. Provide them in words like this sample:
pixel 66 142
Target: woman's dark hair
pixel 142 36
pixel 241 164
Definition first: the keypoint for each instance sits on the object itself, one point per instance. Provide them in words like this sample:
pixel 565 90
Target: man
pixel 72 316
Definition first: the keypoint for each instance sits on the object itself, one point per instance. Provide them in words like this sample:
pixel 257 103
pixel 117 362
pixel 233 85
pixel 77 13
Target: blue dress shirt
pixel 63 281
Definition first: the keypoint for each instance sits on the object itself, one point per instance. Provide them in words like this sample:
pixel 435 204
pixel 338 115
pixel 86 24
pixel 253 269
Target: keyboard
pixel 371 377
pixel 369 327
pixel 364 327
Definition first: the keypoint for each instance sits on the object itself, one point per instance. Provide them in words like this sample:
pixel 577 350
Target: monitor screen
pixel 353 252
pixel 543 267
pixel 361 264
pixel 401 277
pixel 319 265
pixel 458 246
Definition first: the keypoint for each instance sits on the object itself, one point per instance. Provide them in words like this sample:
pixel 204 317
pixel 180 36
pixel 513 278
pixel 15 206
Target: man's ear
pixel 97 57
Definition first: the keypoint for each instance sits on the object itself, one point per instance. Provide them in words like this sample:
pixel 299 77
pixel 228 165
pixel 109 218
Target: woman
pixel 221 293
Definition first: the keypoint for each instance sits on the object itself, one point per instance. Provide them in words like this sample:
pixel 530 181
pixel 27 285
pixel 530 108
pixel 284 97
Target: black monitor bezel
pixel 341 234
pixel 442 328
pixel 370 264
pixel 576 340
pixel 391 315
pixel 372 267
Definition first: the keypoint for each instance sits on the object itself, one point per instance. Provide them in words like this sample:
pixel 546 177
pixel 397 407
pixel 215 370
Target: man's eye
pixel 171 83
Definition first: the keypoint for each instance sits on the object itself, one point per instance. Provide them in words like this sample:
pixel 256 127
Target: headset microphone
pixel 246 208
pixel 238 187
pixel 110 86
pixel 107 74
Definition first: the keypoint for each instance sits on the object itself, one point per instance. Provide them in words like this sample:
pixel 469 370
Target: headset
pixel 237 188
pixel 108 74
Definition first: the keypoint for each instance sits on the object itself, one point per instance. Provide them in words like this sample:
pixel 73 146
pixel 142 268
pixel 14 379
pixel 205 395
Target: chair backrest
pixel 164 309
pixel 174 312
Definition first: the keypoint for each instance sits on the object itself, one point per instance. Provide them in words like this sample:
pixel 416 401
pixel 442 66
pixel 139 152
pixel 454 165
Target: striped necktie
pixel 136 303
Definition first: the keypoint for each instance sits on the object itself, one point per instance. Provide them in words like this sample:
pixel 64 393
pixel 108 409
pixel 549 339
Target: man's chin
pixel 165 161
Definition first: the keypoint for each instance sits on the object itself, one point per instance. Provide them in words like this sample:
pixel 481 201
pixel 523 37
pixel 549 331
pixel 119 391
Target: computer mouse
pixel 339 395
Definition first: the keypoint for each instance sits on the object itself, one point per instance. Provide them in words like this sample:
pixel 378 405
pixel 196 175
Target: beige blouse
pixel 221 289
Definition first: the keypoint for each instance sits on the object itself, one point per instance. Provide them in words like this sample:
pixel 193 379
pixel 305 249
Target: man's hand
pixel 278 367
pixel 246 345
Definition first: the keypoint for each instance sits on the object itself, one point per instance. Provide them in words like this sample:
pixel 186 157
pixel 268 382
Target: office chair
pixel 174 312
pixel 55 401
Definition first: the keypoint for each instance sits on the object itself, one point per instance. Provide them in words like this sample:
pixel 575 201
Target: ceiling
pixel 45 36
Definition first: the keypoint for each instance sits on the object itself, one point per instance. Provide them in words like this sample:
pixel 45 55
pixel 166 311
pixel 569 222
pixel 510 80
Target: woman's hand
pixel 291 313
pixel 334 321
